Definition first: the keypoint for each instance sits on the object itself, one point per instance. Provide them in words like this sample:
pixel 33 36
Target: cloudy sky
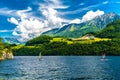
pixel 25 19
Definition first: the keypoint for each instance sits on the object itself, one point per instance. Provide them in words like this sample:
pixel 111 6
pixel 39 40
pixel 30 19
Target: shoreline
pixel 69 55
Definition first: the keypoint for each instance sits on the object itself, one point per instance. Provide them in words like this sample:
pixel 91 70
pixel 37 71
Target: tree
pixel 39 40
pixel 1 44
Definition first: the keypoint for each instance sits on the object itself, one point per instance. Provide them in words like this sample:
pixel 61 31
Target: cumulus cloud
pixel 91 14
pixel 76 21
pixel 29 26
pixel 88 16
pixel 13 20
pixel 51 14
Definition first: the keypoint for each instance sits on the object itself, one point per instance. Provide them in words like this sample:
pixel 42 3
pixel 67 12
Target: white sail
pixel 103 56
pixel 40 56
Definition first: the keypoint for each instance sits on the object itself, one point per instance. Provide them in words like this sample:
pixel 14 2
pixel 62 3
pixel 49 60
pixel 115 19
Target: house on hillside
pixel 87 36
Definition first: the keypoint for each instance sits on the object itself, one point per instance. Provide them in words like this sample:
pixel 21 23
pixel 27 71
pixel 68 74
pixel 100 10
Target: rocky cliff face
pixel 6 54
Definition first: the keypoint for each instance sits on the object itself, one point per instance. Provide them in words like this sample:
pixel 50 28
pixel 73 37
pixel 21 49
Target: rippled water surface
pixel 60 68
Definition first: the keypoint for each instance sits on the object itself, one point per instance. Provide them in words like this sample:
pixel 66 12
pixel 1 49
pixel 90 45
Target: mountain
pixel 11 40
pixel 112 30
pixel 51 32
pixel 78 30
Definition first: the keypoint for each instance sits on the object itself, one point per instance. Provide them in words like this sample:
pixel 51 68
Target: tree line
pixel 34 47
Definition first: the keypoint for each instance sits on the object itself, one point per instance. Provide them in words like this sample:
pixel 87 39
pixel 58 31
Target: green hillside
pixel 78 30
pixel 112 30
pixel 75 32
pixel 39 40
pixel 44 39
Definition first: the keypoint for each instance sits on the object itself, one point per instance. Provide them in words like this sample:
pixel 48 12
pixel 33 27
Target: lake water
pixel 60 68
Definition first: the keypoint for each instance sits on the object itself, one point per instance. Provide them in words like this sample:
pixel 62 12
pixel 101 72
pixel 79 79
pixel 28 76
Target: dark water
pixel 61 68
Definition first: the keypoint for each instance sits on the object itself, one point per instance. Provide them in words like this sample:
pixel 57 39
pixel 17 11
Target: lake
pixel 60 68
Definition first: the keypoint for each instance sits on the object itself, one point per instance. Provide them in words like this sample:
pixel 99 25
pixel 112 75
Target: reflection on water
pixel 60 68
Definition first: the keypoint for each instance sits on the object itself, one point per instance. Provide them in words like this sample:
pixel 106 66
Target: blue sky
pixel 26 19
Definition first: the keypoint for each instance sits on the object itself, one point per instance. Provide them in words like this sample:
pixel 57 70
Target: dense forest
pixel 33 47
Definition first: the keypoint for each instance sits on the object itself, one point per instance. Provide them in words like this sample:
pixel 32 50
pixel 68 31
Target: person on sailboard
pixel 40 56
pixel 103 54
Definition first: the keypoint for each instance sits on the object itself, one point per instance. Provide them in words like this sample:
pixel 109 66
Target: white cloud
pixel 29 26
pixel 13 20
pixel 5 31
pixel 106 2
pixel 91 14
pixel 7 12
pixel 24 13
pixel 76 21
pixel 51 14
pixel 88 16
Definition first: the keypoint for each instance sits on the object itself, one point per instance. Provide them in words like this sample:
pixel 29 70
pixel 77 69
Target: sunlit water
pixel 60 68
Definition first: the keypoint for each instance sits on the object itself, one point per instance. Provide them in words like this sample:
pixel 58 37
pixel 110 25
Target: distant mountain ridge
pixel 11 40
pixel 78 30
pixel 112 30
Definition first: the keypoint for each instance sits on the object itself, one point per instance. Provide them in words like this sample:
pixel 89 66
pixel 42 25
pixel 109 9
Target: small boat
pixel 40 56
